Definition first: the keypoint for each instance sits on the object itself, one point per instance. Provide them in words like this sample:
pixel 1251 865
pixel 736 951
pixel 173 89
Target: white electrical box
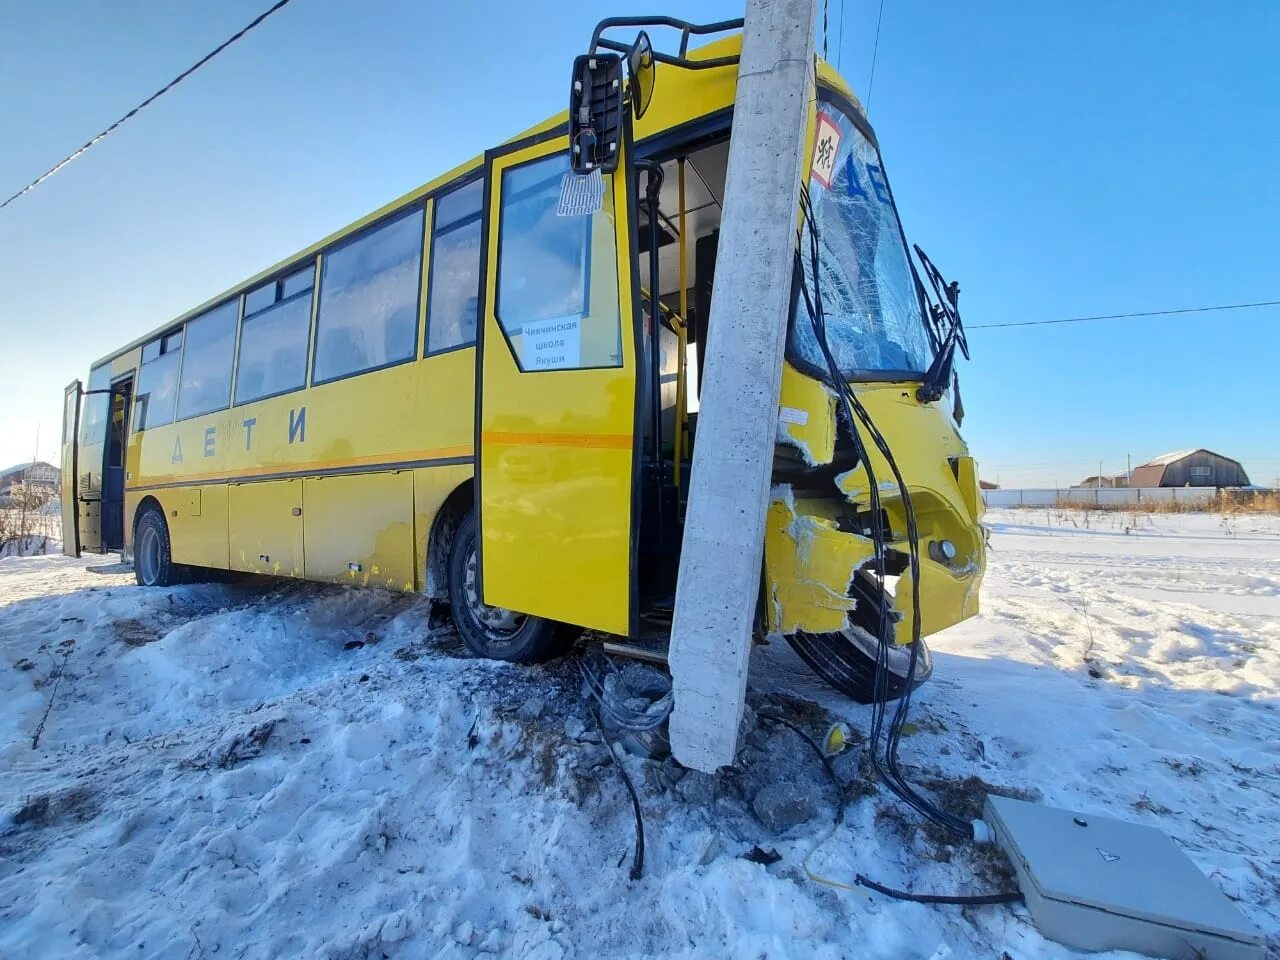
pixel 1103 884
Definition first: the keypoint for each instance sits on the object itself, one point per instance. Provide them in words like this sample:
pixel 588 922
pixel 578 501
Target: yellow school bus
pixel 486 391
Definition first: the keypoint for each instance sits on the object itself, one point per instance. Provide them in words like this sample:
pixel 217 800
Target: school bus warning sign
pixel 826 146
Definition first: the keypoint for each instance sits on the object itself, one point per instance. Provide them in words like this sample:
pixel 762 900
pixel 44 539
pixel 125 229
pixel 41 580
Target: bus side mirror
pixel 595 112
pixel 640 69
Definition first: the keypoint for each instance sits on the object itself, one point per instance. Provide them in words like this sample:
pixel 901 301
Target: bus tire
pixel 153 564
pixel 493 632
pixel 847 660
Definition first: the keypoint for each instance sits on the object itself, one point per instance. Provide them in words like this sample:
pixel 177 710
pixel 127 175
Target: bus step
pixel 634 652
pixel 106 569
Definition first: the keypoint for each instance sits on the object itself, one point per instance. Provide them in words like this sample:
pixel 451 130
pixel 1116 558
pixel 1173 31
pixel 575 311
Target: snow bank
pixel 295 770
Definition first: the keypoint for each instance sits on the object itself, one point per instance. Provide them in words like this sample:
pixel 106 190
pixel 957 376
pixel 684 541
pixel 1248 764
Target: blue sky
pixel 1058 159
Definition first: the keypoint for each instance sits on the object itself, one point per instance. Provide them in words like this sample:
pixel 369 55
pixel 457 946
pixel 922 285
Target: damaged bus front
pixel 873 538
pixel 869 443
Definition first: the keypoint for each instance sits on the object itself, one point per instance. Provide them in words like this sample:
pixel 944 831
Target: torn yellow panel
pixel 946 598
pixel 809 563
pixel 966 470
pixel 807 416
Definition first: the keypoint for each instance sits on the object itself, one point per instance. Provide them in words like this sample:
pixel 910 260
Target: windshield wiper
pixel 946 329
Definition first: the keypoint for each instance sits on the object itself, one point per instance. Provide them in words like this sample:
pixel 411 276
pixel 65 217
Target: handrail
pixel 686 29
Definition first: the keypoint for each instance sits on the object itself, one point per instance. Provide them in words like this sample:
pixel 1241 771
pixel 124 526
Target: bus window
pixel 273 337
pixel 369 300
pixel 454 286
pixel 557 275
pixel 158 381
pixel 205 384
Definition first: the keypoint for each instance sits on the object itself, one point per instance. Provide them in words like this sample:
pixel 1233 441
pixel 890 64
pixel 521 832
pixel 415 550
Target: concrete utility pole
pixel 720 563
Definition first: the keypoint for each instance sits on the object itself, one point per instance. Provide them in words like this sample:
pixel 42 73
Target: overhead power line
pixel 1125 316
pixel 840 39
pixel 155 96
pixel 875 50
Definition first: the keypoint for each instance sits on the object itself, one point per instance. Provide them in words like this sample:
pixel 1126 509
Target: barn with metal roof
pixel 1190 468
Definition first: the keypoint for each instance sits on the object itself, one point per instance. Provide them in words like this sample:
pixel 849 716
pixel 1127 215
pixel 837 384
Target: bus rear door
pixel 557 370
pixel 67 489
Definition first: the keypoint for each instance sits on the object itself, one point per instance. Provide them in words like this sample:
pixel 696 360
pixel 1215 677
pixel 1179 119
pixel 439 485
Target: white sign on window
pixel 553 344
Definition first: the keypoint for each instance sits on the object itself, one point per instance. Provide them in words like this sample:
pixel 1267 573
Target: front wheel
pixel 847 660
pixel 493 632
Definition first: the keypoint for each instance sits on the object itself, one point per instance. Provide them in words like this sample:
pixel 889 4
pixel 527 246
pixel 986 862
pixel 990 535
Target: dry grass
pixel 1224 501
pixel 1226 504
pixel 29 521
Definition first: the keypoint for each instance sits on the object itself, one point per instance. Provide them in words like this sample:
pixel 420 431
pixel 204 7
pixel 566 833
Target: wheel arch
pixel 440 539
pixel 149 502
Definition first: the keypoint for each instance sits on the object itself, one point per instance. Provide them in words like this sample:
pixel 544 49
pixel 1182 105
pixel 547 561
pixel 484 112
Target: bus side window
pixel 454 283
pixel 274 335
pixel 158 381
pixel 369 299
pixel 205 384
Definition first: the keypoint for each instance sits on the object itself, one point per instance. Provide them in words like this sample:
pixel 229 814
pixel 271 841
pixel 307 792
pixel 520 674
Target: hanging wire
pixel 875 50
pixel 826 7
pixel 151 99
pixel 1126 316
pixel 858 421
pixel 840 39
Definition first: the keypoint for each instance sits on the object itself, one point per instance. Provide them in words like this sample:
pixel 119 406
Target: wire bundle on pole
pixel 613 705
pixel 855 412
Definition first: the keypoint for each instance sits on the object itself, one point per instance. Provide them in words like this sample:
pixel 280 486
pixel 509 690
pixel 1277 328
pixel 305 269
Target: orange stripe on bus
pixel 440 453
pixel 611 441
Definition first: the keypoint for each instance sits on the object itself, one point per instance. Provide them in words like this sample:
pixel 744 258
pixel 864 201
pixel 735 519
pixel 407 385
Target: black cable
pixel 825 9
pixel 1127 316
pixel 864 881
pixel 637 859
pixel 887 771
pixel 817 318
pixel 855 412
pixel 155 96
pixel 1012 896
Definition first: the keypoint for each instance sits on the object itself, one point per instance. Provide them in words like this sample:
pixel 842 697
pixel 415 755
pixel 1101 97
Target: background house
pixel 38 474
pixel 1190 468
pixel 1109 480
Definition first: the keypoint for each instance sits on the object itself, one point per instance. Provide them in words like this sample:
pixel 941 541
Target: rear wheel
pixel 847 660
pixel 494 632
pixel 153 564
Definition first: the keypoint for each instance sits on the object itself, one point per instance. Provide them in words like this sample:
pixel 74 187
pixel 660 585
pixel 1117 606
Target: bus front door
pixel 67 482
pixel 113 456
pixel 557 366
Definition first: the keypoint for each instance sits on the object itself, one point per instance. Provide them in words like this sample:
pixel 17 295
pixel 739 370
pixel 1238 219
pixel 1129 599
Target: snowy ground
pixel 278 769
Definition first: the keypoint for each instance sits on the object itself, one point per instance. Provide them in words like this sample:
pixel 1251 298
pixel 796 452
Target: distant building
pixel 1190 468
pixel 1110 480
pixel 35 474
